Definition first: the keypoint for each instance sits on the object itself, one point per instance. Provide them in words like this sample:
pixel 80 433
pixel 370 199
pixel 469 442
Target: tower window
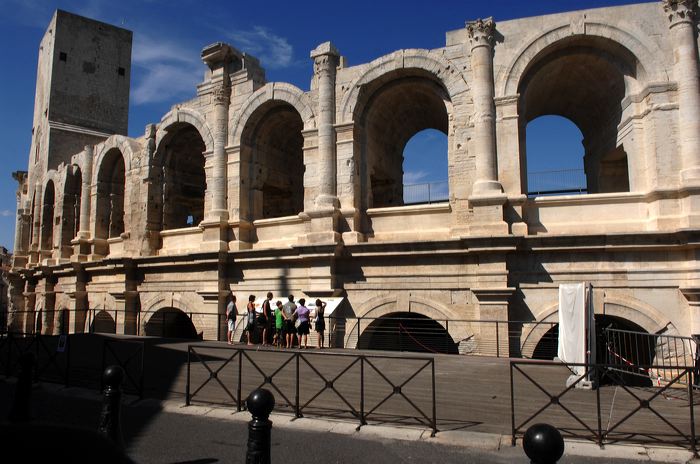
pixel 121 71
pixel 62 56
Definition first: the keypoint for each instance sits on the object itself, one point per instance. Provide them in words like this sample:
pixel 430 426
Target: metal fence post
pixel 239 404
pixel 512 407
pixel 693 440
pixel 187 385
pixel 297 412
pixel 498 342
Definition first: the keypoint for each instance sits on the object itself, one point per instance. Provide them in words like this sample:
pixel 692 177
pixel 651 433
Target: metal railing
pixel 52 356
pixel 617 413
pixel 129 355
pixel 322 384
pixel 430 192
pixel 564 181
pixel 629 352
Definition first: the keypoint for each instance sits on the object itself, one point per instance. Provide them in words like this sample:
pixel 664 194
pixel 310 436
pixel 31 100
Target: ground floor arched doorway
pixel 404 331
pixel 103 322
pixel 170 323
pixel 632 351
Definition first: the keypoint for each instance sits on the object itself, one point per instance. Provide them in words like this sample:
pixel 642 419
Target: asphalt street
pixel 154 434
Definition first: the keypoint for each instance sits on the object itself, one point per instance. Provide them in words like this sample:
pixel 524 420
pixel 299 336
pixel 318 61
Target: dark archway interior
pixel 393 109
pixel 71 210
pixel 272 139
pixel 639 353
pixel 183 179
pixel 404 331
pixel 583 80
pixel 103 323
pixel 47 217
pixel 170 323
pixel 110 196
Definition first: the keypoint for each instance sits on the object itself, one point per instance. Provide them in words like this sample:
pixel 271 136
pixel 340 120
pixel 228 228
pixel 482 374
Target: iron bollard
pixel 110 423
pixel 260 403
pixel 21 407
pixel 543 444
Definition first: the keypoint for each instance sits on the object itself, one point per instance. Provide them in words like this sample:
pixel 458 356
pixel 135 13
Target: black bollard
pixel 110 422
pixel 543 444
pixel 21 407
pixel 260 404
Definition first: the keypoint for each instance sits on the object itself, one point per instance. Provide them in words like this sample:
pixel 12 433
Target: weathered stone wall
pixel 303 188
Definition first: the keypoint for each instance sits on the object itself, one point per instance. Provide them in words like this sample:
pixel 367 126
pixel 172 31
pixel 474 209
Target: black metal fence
pixel 429 192
pixel 563 181
pixel 362 387
pixel 545 391
pixel 51 353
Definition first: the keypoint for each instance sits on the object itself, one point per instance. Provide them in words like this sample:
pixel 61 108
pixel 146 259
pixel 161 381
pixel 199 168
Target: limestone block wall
pixel 300 191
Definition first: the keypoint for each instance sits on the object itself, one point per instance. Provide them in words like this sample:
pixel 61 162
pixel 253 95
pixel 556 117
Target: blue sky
pixel 168 36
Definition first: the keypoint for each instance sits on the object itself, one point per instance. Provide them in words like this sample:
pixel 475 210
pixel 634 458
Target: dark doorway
pixel 170 323
pixel 406 331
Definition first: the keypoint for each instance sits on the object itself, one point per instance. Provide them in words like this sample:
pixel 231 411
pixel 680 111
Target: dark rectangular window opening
pixel 121 71
pixel 62 56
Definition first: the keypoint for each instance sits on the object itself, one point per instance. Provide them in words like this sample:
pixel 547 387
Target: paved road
pixel 155 435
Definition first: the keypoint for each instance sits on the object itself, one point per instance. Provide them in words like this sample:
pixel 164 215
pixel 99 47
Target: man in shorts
pixel 288 314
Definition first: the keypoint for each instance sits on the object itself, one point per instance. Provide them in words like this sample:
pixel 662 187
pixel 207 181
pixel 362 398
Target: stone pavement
pixel 158 431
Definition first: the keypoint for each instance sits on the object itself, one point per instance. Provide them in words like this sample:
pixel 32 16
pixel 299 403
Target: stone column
pixel 481 41
pixel 681 16
pixel 81 245
pixel 326 59
pixel 36 224
pixel 219 58
pixel 222 98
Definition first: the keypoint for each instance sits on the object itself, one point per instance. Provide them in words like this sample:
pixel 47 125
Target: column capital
pixel 481 32
pixel 326 58
pixel 222 94
pixel 679 11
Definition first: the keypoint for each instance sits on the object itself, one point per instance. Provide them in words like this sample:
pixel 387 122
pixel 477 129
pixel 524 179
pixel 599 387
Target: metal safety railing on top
pixel 363 387
pixel 557 182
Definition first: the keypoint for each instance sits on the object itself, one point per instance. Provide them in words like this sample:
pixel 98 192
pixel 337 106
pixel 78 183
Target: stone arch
pixel 279 91
pixel 180 301
pixel 385 305
pixel 189 116
pixel 631 309
pixel 443 69
pixel 48 211
pixel 646 52
pixel 123 144
pixel 70 214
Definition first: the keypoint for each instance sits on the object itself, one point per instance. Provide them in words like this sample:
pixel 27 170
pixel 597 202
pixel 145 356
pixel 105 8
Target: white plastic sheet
pixel 572 323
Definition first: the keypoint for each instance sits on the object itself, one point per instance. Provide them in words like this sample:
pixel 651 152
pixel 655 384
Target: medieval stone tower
pixel 82 97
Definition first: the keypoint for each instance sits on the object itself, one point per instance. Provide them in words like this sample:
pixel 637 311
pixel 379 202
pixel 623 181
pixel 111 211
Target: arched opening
pixel 71 210
pixel 181 179
pixel 47 217
pixel 170 323
pixel 110 196
pixel 404 331
pixel 393 109
pixel 103 322
pixel 639 353
pixel 273 143
pixel 554 157
pixel 425 168
pixel 585 80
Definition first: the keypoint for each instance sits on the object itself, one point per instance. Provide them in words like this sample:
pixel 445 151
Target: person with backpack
pixel 231 313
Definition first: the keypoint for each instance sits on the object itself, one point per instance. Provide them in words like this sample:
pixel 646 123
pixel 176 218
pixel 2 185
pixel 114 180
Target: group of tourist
pixel 284 326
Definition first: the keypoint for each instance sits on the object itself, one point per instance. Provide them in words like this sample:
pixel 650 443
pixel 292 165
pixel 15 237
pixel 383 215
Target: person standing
pixel 302 313
pixel 231 313
pixel 289 329
pixel 279 321
pixel 267 318
pixel 320 325
pixel 250 318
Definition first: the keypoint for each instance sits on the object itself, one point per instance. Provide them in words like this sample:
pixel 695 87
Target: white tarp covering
pixel 572 323
pixel 576 324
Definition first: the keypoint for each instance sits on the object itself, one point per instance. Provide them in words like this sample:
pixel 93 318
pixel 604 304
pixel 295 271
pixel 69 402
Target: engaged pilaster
pixel 681 15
